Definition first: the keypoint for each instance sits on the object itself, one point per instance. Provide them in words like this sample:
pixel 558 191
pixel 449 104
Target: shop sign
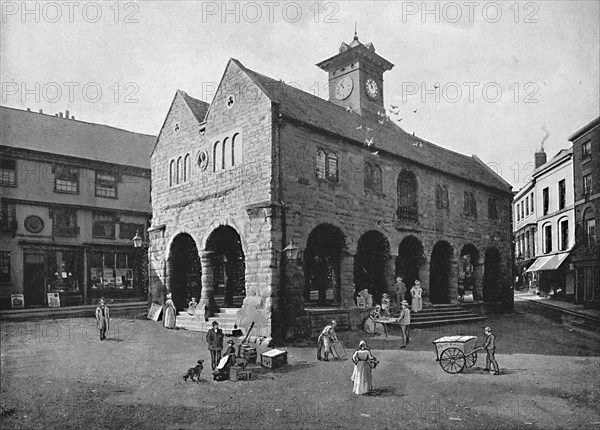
pixel 53 300
pixel 17 301
pixel 154 312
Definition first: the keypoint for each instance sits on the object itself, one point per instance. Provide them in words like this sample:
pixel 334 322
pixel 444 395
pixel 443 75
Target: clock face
pixel 343 88
pixel 372 88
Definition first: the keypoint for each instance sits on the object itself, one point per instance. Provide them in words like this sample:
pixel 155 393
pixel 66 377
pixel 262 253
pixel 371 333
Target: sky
pixel 509 74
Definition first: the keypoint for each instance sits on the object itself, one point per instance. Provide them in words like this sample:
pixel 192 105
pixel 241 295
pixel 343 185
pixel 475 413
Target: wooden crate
pixel 273 359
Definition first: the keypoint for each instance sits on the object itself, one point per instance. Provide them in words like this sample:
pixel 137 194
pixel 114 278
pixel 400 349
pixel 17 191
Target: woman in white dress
pixel 169 316
pixel 417 296
pixel 362 378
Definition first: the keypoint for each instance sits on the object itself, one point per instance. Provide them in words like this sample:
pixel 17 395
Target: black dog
pixel 194 372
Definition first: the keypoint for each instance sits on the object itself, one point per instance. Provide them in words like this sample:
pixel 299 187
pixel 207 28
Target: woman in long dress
pixel 362 378
pixel 371 325
pixel 417 296
pixel 169 318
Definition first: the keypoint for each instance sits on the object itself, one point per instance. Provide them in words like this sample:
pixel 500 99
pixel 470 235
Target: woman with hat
pixel 363 363
pixel 417 296
pixel 169 318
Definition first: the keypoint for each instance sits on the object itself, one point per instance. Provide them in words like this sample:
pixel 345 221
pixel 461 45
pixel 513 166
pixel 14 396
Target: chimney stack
pixel 72 116
pixel 67 113
pixel 41 111
pixel 540 157
pixel 28 110
pixel 60 115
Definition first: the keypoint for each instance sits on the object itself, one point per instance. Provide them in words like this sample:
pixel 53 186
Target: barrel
pixel 251 355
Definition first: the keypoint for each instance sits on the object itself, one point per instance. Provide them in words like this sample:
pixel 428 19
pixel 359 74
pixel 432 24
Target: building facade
pixel 286 205
pixel 586 255
pixel 544 208
pixel 74 194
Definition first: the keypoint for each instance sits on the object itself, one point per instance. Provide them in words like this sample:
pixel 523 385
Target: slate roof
pixel 47 133
pixel 198 107
pixel 388 137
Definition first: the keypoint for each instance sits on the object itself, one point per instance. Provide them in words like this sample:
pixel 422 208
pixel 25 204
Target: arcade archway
pixel 491 275
pixel 322 265
pixel 409 261
pixel 369 264
pixel 469 258
pixel 440 272
pixel 184 270
pixel 229 266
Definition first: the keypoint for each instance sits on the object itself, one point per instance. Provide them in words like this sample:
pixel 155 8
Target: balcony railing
pixel 407 214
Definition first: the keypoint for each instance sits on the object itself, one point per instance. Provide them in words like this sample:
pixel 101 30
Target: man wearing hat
pixel 404 320
pixel 214 337
pixel 102 319
pixel 490 349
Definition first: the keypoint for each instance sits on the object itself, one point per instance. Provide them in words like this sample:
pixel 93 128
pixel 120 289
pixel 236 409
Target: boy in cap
pixel 214 337
pixel 404 320
pixel 102 319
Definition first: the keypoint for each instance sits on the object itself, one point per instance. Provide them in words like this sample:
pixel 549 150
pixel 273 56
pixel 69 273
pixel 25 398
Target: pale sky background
pixel 179 45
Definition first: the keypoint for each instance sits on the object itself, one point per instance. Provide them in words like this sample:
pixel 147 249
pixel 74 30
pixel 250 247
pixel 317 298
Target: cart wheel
pixel 471 359
pixel 452 360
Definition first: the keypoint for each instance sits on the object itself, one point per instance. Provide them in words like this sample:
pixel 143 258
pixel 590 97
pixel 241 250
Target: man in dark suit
pixel 214 337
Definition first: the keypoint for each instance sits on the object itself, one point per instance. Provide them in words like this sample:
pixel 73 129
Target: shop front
pixel 116 274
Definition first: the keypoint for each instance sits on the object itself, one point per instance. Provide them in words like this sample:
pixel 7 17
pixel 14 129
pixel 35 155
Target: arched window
pixel 172 173
pixel 321 164
pixel 407 197
pixel 332 167
pixel 547 232
pixel 236 149
pixel 438 196
pixel 227 153
pixel 186 168
pixel 445 199
pixel 217 157
pixel 563 234
pixel 377 179
pixel 179 170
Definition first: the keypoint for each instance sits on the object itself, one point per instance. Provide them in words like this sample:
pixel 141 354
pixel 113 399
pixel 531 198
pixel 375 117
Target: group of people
pixel 221 364
pixel 416 292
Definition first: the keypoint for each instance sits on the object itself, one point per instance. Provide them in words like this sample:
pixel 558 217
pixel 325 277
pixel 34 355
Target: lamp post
pixel 138 244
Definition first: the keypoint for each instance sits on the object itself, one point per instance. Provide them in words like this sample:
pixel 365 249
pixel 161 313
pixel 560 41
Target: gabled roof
pixel 69 137
pixel 198 107
pixel 388 137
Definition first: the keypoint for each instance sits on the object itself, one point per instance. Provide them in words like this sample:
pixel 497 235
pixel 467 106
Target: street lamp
pixel 291 251
pixel 137 240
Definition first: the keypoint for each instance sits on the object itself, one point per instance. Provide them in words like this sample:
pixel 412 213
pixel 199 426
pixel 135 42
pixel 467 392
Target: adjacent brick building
pixel 72 196
pixel 586 255
pixel 286 205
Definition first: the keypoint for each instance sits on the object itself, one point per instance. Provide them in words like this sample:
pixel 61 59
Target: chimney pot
pixel 41 111
pixel 72 116
pixel 28 110
pixel 67 113
pixel 60 115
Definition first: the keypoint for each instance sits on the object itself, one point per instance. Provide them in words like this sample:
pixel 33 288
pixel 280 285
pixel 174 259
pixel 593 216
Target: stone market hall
pixel 279 206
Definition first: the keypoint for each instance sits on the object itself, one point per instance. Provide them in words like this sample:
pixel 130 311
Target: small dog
pixel 194 372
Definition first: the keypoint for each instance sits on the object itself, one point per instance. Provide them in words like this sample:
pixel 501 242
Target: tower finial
pixel 355 32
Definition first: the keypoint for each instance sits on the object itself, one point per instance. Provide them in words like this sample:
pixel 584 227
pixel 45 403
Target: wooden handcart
pixel 456 352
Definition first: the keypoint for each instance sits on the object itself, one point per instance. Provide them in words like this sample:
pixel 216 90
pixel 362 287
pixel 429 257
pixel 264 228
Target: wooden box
pixel 273 359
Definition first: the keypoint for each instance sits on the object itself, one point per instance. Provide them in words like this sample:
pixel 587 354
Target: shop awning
pixel 551 262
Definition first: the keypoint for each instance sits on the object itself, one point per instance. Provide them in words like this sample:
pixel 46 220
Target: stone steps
pixel 442 315
pixel 226 317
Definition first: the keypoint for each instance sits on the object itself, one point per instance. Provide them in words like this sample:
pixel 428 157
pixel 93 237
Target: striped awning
pixel 550 262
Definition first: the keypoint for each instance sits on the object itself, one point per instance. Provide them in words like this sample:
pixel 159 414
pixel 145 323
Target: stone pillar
pixel 347 280
pixel 390 274
pixel 478 280
pixel 453 287
pixel 86 276
pixel 207 295
pixel 424 278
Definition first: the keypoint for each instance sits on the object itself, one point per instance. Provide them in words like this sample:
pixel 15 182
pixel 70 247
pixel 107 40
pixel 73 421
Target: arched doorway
pixel 369 264
pixel 409 261
pixel 185 271
pixel 469 258
pixel 229 266
pixel 322 265
pixel 440 271
pixel 491 275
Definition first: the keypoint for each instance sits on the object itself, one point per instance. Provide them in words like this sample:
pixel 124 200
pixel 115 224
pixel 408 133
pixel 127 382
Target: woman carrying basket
pixel 363 363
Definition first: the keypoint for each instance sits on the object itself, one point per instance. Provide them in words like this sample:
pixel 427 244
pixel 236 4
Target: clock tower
pixel 356 77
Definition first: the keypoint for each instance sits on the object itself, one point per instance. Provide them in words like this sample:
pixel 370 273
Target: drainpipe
pixel 283 272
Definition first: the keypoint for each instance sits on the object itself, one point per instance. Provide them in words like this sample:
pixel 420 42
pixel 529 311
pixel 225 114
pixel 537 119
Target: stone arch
pixel 322 265
pixel 440 272
pixel 184 270
pixel 492 273
pixel 371 257
pixel 411 256
pixel 228 265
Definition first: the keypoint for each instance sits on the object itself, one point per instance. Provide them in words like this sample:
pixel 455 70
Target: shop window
pixel 129 230
pixel 8 217
pixel 586 150
pixel 103 225
pixel 546 200
pixel 547 239
pixel 66 179
pixel 563 226
pixel 111 271
pixel 8 171
pixel 492 208
pixel 587 184
pixel 106 185
pixel 562 194
pixel 64 222
pixel 64 270
pixel 4 266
